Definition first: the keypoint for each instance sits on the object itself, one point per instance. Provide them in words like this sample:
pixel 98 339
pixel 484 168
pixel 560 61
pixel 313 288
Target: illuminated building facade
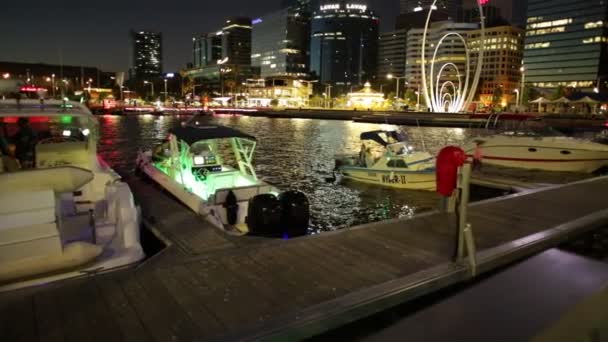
pixel 286 91
pixel 448 8
pixel 392 53
pixel 452 50
pixel 365 99
pixel 344 45
pixel 503 55
pixel 207 49
pixel 281 42
pixel 565 44
pixel 236 40
pixel 147 54
pixel 222 59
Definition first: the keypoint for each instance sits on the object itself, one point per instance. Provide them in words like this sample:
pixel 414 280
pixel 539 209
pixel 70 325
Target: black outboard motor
pixel 232 208
pixel 295 213
pixel 264 215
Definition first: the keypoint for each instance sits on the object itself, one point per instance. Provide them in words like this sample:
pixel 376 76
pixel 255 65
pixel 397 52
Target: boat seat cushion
pixel 75 254
pixel 24 242
pixel 21 209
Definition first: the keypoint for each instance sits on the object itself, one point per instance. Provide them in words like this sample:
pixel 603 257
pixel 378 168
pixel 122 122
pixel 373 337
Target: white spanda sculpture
pixel 450 96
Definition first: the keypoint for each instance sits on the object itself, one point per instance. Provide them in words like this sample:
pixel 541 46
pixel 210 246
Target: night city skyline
pixel 98 34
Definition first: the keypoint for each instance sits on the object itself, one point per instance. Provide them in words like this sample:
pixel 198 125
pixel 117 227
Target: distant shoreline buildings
pixel 331 48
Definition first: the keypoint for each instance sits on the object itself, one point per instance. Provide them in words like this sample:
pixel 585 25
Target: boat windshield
pixel 57 128
pixel 399 149
pixel 44 141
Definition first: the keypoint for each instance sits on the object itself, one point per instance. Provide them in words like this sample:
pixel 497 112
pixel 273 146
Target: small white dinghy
pixel 194 165
pixel 68 215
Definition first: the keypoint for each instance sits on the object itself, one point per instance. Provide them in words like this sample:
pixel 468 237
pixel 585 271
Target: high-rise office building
pixel 281 42
pixel 566 44
pixel 147 54
pixel 449 8
pixel 503 54
pixel 392 53
pixel 344 45
pixel 222 59
pixel 236 40
pixel 452 49
pixel 207 49
pixel 232 42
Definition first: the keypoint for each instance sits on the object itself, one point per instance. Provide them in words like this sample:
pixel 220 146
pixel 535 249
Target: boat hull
pixel 561 155
pixel 413 180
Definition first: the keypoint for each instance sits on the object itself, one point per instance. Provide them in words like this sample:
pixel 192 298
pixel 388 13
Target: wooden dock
pixel 210 286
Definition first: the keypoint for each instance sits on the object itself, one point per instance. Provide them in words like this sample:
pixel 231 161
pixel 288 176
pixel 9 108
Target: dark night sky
pixel 96 33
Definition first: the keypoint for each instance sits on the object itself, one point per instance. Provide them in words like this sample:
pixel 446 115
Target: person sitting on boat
pixel 477 155
pixel 369 158
pixel 361 161
pixel 161 152
pixel 3 142
pixel 9 162
pixel 25 141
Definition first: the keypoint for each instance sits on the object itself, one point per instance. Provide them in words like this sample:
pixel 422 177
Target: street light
pixel 6 75
pixel 523 82
pixel 517 98
pixel 328 94
pixel 53 84
pixel 152 86
pixel 390 77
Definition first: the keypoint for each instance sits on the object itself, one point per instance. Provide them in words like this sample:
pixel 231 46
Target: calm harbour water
pixel 295 154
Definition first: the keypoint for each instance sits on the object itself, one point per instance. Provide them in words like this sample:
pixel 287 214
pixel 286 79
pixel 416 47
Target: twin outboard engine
pixel 295 212
pixel 264 215
pixel 285 216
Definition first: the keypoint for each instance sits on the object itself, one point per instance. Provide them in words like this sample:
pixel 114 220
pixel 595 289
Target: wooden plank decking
pixel 208 285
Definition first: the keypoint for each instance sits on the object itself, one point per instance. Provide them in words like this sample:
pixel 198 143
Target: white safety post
pixel 466 238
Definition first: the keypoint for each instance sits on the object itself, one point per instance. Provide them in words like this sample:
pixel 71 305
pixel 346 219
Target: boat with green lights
pixel 210 169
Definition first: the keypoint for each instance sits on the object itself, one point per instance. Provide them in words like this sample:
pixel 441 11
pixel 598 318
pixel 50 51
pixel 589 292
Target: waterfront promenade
pixel 210 286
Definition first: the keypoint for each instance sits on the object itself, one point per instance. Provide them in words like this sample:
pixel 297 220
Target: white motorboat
pixel 539 151
pixel 69 214
pixel 398 166
pixel 195 166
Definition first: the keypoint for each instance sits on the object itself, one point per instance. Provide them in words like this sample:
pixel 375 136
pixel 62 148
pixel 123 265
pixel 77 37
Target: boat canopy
pixel 191 134
pixel 377 136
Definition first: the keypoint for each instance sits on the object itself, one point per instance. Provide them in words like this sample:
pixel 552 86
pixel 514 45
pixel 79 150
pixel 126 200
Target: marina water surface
pixel 295 154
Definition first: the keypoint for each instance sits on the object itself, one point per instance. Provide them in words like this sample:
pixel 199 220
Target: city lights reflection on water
pixel 295 154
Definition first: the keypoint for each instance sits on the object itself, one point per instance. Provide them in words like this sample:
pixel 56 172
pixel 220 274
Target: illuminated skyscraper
pixel 344 45
pixel 207 49
pixel 281 41
pixel 147 54
pixel 566 44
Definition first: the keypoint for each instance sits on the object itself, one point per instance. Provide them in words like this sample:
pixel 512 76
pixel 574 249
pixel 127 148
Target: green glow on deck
pixel 226 179
pixel 66 119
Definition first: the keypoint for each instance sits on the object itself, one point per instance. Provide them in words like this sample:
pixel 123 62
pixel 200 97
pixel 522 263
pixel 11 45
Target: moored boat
pixel 536 150
pixel 67 213
pixel 399 166
pixel 194 165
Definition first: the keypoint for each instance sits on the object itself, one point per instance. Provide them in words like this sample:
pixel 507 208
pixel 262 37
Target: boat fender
pixel 232 208
pixel 295 213
pixel 264 215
